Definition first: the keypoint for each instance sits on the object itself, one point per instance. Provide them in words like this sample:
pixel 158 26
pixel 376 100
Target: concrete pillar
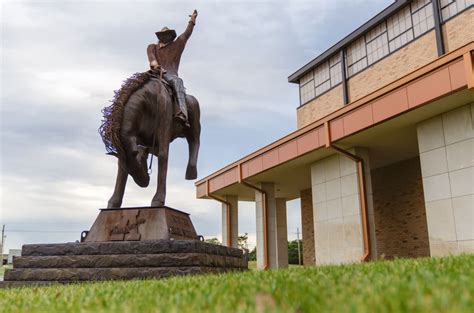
pixel 277 228
pixel 446 145
pixel 337 215
pixel 234 213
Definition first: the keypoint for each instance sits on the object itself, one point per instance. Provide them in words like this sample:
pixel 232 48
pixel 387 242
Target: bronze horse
pixel 149 116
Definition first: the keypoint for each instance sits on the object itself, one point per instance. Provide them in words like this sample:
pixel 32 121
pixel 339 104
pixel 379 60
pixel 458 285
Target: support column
pixel 338 225
pixel 307 225
pixel 446 144
pixel 277 228
pixel 234 225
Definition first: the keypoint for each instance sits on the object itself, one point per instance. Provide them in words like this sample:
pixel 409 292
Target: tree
pixel 213 241
pixel 253 254
pixel 293 251
pixel 242 242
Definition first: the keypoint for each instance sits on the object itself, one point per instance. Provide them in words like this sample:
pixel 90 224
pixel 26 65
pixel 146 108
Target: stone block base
pixel 42 264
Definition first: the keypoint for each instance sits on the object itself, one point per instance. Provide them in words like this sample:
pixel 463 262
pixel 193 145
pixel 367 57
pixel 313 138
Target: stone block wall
pixel 307 227
pixel 446 144
pixel 399 210
pixel 336 211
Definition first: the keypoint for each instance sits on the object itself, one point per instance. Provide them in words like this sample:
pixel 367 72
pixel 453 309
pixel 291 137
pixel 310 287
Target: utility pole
pixel 298 241
pixel 3 242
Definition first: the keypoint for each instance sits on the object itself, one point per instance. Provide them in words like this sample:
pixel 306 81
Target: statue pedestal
pixel 122 244
pixel 140 223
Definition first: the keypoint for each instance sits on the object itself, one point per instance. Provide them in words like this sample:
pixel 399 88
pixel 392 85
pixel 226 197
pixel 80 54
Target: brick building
pixel 383 157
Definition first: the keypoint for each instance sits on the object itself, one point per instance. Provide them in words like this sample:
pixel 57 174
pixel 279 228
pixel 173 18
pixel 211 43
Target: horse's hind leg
pixel 120 183
pixel 192 137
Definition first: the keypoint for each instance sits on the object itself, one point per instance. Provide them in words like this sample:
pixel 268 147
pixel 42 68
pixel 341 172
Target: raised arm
pixel 189 29
pixel 150 51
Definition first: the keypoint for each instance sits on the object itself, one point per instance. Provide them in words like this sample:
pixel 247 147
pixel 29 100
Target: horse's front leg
pixel 116 200
pixel 193 143
pixel 160 195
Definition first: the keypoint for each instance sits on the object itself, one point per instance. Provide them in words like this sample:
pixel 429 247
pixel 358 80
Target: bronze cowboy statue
pixel 149 111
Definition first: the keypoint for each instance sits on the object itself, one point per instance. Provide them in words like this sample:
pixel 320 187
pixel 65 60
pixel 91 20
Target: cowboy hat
pixel 166 35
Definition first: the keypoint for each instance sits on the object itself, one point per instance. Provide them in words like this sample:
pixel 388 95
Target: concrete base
pixel 142 223
pixel 97 261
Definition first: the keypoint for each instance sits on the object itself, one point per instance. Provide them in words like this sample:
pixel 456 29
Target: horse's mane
pixel 109 130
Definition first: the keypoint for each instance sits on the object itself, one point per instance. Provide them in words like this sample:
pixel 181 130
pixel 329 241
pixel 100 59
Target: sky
pixel 61 61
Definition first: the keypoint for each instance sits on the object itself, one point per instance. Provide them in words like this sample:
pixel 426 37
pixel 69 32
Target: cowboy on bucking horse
pixel 165 57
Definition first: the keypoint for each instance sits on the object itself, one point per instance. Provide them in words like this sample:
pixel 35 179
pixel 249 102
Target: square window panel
pixel 321 73
pixel 423 20
pixel 307 92
pixel 399 23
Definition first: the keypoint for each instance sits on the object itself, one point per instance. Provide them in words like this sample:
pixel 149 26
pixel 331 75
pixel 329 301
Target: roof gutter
pixel 228 210
pixel 265 216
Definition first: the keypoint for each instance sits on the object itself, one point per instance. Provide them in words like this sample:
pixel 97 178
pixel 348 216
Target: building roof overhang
pixel 391 9
pixel 414 97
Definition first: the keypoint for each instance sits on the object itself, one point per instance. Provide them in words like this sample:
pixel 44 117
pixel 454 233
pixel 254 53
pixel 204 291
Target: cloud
pixel 61 61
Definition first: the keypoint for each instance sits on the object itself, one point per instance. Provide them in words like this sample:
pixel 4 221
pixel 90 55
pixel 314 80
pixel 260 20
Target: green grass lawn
pixel 421 285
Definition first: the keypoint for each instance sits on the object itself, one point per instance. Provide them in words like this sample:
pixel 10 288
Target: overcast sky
pixel 61 61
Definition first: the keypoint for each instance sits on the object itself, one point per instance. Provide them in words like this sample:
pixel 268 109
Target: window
pixel 356 56
pixel 399 23
pixel 418 4
pixel 321 74
pixel 335 70
pixel 307 91
pixel 377 43
pixel 422 15
pixel 321 78
pixel 449 8
pixel 410 22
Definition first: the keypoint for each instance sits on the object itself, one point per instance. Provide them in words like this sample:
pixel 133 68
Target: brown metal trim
pixel 265 217
pixel 469 68
pixel 228 209
pixel 362 198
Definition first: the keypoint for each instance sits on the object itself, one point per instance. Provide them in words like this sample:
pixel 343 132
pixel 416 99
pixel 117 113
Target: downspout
pixel 265 216
pixel 362 191
pixel 228 209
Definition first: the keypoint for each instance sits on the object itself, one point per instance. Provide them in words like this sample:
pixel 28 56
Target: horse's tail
pixel 109 130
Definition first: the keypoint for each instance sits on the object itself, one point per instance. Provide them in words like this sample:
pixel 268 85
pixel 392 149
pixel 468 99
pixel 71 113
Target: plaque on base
pixel 140 223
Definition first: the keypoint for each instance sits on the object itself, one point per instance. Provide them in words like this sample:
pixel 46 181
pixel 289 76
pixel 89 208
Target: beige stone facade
pixel 399 210
pixel 446 144
pixel 277 228
pixel 336 207
pixel 414 55
pixel 458 31
pixel 320 107
pixel 307 227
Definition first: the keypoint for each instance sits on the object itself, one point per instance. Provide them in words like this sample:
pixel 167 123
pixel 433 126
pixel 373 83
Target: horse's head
pixel 137 166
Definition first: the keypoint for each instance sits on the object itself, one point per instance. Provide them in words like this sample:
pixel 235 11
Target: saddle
pixel 156 74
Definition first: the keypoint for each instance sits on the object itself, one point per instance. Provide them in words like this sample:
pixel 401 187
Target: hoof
pixel 113 204
pixel 157 203
pixel 191 173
